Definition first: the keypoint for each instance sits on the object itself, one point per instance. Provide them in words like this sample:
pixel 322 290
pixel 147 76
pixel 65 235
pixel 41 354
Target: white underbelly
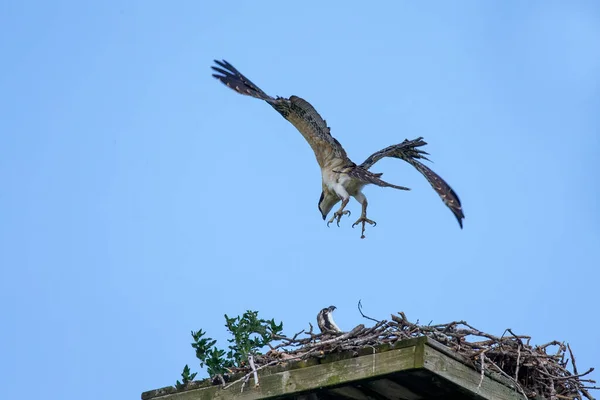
pixel 333 180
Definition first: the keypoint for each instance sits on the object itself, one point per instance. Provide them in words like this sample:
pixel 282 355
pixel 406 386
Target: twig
pixel 572 359
pixel 482 358
pixel 245 377
pixel 361 313
pixel 251 361
pixel 516 383
pixel 518 362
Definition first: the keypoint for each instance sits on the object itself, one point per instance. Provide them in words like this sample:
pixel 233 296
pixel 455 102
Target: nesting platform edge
pixel 412 369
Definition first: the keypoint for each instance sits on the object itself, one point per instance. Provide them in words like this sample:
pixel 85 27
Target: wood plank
pixel 466 377
pixel 413 369
pixel 462 359
pixel 304 379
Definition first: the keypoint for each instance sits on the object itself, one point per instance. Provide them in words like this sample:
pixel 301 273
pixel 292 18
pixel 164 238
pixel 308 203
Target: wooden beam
pixel 466 377
pixel 305 379
pixel 412 369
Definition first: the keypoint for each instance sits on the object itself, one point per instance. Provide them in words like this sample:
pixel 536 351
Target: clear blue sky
pixel 142 199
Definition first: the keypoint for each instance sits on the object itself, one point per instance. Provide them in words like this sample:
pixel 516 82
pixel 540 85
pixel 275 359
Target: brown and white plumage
pixel 325 321
pixel 341 178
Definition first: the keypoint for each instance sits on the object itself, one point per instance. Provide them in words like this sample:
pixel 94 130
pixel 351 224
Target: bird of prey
pixel 341 178
pixel 326 322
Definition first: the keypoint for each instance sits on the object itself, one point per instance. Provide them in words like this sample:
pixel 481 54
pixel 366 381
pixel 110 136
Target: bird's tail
pixel 374 178
pixel 234 79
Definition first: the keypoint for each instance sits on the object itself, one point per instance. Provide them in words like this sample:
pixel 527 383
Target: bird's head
pixel 326 202
pixel 331 308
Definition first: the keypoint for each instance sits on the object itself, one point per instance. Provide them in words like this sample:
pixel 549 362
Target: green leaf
pixel 249 335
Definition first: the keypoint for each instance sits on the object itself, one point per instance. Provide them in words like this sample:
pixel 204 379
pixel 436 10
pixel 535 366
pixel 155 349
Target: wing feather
pixel 409 152
pixel 297 111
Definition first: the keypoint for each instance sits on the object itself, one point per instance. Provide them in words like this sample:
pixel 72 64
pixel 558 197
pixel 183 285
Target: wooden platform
pixel 412 369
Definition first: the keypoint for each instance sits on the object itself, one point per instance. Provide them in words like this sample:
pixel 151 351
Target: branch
pixel 361 313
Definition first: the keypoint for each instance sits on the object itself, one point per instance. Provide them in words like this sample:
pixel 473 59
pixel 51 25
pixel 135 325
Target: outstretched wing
pixel 296 110
pixel 409 152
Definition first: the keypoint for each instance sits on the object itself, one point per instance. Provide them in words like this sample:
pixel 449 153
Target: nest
pixel 548 371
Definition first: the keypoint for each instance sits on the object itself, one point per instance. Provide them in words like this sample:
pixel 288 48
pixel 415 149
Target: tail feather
pixel 373 178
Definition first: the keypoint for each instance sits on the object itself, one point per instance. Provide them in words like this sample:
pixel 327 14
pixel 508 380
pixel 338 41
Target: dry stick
pixel 293 341
pixel 251 361
pixel 337 339
pixel 552 387
pixel 572 359
pixel 245 377
pixel 561 378
pixel 552 343
pixel 287 339
pixel 361 313
pixel 518 337
pixel 518 359
pixel 510 378
pixel 482 358
pixel 583 390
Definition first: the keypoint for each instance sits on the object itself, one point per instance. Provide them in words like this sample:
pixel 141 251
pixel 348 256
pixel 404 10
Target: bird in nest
pixel 341 178
pixel 325 321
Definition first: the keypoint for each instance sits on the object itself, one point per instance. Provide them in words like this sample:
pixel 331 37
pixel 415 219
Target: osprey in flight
pixel 341 178
pixel 326 322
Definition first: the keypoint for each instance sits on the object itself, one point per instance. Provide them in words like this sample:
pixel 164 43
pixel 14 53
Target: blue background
pixel 142 199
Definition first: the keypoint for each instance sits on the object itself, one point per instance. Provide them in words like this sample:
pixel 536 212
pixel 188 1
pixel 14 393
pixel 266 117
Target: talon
pixel 364 220
pixel 337 217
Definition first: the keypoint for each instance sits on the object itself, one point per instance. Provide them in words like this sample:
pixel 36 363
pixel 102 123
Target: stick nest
pixel 541 370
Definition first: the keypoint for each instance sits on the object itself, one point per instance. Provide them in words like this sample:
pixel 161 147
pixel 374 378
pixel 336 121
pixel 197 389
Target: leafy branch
pixel 250 334
pixel 186 378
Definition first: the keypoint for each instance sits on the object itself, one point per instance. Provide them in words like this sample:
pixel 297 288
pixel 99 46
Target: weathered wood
pixel 414 369
pixel 466 377
pixel 318 376
pixel 463 360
